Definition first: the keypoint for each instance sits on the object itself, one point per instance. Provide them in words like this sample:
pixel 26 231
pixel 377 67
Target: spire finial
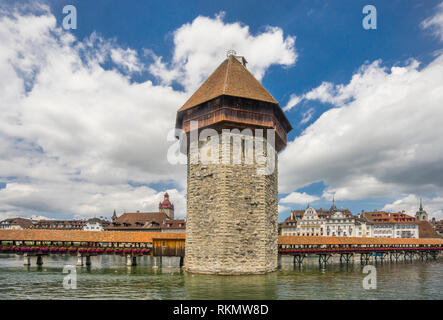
pixel 421 205
pixel 231 53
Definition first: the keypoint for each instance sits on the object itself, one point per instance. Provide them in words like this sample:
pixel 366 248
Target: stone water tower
pixel 232 208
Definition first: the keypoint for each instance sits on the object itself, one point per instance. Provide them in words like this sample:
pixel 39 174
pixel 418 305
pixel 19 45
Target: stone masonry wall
pixel 231 225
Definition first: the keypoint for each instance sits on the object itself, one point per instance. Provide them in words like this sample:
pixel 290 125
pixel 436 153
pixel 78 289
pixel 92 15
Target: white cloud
pixel 282 209
pixel 127 59
pixel 435 22
pixel 299 198
pixel 78 139
pixel 307 116
pixel 201 45
pixel 383 138
pixel 411 203
pixel 293 101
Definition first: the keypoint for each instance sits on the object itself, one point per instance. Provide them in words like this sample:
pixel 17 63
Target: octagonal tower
pixel 232 208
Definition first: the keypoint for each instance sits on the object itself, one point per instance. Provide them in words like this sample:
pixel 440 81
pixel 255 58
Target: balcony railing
pixel 237 115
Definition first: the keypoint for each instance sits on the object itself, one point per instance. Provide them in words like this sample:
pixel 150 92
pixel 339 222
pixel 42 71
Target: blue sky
pixel 331 46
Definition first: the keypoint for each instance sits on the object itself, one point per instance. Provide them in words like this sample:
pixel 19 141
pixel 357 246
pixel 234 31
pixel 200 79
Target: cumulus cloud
pixel 382 138
pixel 299 198
pixel 197 51
pixel 79 137
pixel 283 208
pixel 435 23
pixel 410 204
pixel 76 138
pixel 127 59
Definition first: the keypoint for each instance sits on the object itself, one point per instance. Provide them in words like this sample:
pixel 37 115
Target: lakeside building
pixel 341 223
pixel 15 224
pixel 426 228
pixel 362 228
pixel 311 222
pixel 437 226
pixel 95 224
pixel 160 221
pixel 392 225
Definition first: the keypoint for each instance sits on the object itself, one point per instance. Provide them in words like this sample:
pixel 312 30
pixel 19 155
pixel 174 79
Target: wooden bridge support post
pixel 181 262
pixel 394 255
pixel 408 255
pixel 364 258
pixel 298 259
pixel 345 257
pixel 26 259
pixel 323 259
pixel 88 260
pixel 39 260
pixel 131 261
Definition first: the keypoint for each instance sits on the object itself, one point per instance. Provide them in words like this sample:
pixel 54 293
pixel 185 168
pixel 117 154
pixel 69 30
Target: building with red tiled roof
pixel 437 226
pixel 87 224
pixel 163 220
pixel 426 230
pixel 15 224
pixel 139 221
pixel 320 222
pixel 392 225
pixel 178 225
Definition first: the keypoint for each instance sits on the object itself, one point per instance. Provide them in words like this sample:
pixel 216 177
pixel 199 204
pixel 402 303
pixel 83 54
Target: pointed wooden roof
pixel 230 78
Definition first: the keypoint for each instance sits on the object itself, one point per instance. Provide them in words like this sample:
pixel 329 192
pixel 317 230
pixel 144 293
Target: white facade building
pixel 392 225
pixel 338 224
pixel 310 224
pixel 93 226
pixel 362 228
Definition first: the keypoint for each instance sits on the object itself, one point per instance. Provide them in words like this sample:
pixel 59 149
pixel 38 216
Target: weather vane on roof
pixel 231 53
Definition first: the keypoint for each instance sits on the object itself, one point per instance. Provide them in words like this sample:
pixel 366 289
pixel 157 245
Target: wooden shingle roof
pixel 146 237
pixel 425 230
pixel 230 78
pixel 86 236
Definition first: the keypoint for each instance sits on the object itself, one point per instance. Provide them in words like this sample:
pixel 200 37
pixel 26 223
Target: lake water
pixel 109 278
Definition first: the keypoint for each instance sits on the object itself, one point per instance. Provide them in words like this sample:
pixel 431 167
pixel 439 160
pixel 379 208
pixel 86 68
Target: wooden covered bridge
pixel 366 248
pixel 131 244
